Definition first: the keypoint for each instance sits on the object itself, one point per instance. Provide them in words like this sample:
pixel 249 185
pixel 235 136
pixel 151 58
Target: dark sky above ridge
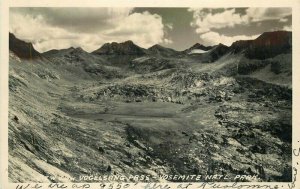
pixel 178 28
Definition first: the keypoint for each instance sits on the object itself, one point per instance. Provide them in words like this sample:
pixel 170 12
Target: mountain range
pixel 267 45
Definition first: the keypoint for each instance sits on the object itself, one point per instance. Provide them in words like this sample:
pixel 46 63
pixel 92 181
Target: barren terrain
pixel 73 113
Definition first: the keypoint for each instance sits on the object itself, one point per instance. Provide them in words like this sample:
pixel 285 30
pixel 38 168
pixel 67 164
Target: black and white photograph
pixel 150 94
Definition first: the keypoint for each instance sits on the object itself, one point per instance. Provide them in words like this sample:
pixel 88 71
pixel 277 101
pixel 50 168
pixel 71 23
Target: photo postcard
pixel 147 94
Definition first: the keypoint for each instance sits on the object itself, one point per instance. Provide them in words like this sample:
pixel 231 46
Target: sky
pixel 178 28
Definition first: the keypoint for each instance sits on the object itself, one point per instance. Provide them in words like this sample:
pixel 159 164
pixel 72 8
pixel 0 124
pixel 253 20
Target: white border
pixel 5 4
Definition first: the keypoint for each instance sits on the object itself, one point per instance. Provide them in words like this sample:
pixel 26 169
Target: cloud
pixel 89 28
pixel 213 38
pixel 283 20
pixel 144 28
pixel 205 20
pixel 208 23
pixel 169 26
pixel 263 14
pixel 75 19
pixel 287 28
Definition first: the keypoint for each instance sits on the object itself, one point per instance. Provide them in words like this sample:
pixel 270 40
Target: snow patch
pixel 141 59
pixel 197 51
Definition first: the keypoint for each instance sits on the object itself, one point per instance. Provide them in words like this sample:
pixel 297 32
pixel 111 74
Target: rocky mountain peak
pixel 78 50
pixel 21 48
pixel 128 42
pixel 162 51
pixel 156 46
pixel 267 45
pixel 124 48
pixel 198 46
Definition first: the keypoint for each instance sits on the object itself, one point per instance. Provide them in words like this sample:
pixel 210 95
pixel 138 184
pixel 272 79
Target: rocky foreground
pixel 73 114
